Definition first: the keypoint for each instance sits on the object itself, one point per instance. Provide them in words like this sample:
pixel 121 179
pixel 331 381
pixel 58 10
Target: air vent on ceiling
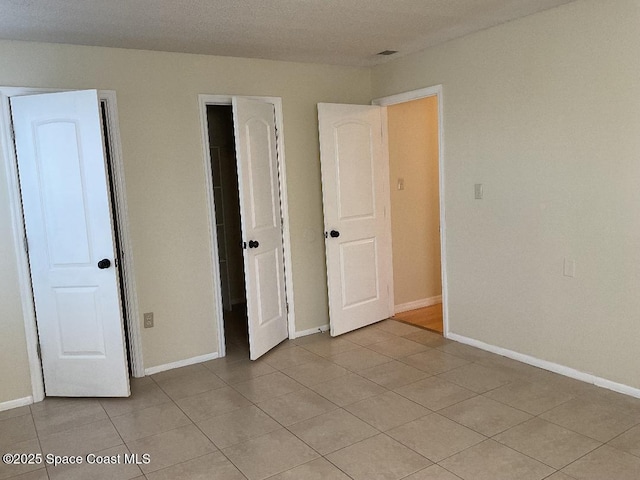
pixel 387 52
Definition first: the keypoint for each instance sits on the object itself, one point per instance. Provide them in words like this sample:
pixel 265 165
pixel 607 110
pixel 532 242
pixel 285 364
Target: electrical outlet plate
pixel 148 320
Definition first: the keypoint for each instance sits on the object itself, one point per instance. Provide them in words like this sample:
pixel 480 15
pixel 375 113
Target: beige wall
pixel 162 146
pixel 544 112
pixel 15 379
pixel 415 211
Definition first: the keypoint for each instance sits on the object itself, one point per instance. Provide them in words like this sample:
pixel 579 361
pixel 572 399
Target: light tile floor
pixel 388 402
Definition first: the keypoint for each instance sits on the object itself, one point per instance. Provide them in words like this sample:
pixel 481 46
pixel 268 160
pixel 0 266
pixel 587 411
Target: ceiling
pixel 341 32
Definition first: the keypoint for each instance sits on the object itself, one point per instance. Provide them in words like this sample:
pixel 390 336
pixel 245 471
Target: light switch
pixel 478 191
pixel 401 184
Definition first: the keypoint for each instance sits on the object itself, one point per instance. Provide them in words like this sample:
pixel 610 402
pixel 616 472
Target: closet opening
pixel 228 227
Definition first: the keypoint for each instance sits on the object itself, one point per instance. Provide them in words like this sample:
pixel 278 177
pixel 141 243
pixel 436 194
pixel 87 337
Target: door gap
pixel 228 226
pixel 119 265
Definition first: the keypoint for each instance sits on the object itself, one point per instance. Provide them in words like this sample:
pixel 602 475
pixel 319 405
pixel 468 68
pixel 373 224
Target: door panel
pixel 355 202
pixel 262 172
pixel 60 151
pixel 254 124
pixel 354 170
pixel 269 287
pixel 62 193
pixel 359 265
pixel 80 329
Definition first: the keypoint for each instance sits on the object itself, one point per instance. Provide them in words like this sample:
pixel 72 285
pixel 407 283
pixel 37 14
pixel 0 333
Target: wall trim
pixel 18 402
pixel 384 118
pixel 424 302
pixel 181 363
pixel 550 366
pixel 7 151
pixel 408 96
pixel 132 323
pixel 311 331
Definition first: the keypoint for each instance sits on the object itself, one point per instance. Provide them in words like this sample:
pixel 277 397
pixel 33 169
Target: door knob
pixel 253 244
pixel 104 263
pixel 334 233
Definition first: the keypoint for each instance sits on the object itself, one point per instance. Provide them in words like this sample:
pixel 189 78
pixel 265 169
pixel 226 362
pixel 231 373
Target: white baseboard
pixel 181 363
pixel 546 365
pixel 18 402
pixel 311 331
pixel 424 302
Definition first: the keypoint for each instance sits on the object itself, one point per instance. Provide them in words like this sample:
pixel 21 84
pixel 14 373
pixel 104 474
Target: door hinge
pixel 26 245
pixel 287 305
pixel 39 351
pixel 13 133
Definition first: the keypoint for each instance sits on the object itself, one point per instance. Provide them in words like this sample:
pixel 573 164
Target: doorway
pixel 264 245
pixel 224 178
pixel 416 157
pixel 415 214
pixel 107 141
pixel 346 133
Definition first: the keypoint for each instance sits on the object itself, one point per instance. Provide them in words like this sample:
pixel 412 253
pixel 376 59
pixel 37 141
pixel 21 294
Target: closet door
pixel 255 132
pixel 65 197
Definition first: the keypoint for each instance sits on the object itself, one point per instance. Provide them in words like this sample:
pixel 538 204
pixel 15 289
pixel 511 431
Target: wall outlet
pixel 148 320
pixel 478 191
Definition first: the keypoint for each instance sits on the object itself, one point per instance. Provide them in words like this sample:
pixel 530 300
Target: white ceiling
pixel 342 32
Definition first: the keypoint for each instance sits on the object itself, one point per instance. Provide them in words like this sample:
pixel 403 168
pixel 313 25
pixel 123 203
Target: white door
pixel 355 190
pixel 67 216
pixel 255 132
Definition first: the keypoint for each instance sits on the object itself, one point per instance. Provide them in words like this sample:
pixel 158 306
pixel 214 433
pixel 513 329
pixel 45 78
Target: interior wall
pixel 544 112
pixel 157 95
pixel 15 378
pixel 415 210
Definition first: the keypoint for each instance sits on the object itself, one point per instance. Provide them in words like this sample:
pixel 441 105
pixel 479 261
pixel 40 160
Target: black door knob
pixel 104 263
pixel 253 244
pixel 334 233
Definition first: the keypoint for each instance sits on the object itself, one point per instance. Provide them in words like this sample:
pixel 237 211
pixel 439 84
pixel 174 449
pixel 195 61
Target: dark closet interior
pixel 228 224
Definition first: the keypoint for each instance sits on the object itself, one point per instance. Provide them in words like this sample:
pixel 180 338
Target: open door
pixel 355 179
pixel 65 197
pixel 255 132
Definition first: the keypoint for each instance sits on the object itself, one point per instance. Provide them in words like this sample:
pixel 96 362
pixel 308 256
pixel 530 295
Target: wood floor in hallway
pixel 427 317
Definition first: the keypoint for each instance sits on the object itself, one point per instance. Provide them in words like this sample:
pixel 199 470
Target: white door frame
pixel 204 101
pixel 407 97
pixel 8 156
